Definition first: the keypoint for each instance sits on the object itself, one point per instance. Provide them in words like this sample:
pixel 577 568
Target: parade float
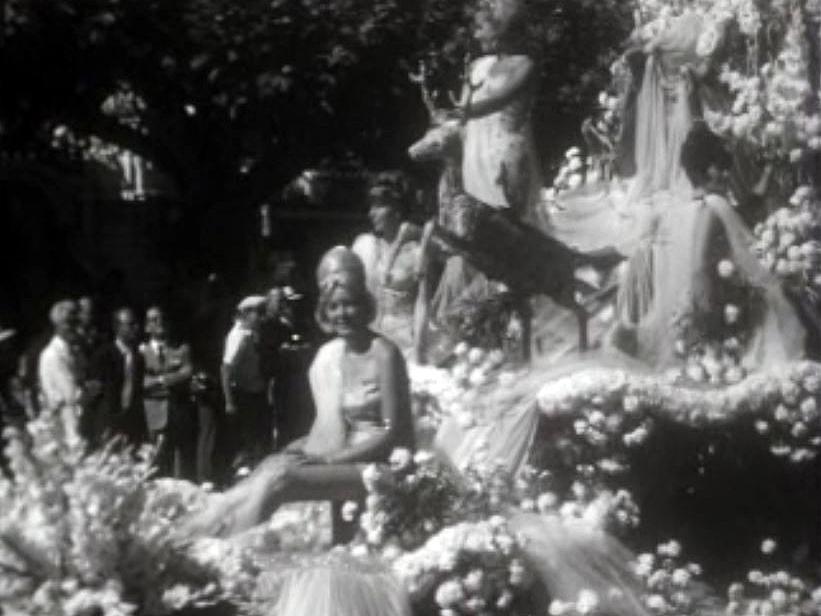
pixel 709 472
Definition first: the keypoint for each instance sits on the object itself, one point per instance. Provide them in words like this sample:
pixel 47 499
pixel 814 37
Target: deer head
pixel 444 139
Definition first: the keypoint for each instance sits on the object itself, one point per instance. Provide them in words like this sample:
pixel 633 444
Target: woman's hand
pixel 309 458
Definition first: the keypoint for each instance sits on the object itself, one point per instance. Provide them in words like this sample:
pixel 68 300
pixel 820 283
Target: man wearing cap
pixel 243 383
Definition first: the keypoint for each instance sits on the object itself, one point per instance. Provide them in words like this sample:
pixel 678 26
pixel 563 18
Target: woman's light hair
pixel 508 18
pixel 340 267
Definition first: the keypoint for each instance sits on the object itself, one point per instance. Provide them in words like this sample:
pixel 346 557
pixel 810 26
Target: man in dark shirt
pixel 118 366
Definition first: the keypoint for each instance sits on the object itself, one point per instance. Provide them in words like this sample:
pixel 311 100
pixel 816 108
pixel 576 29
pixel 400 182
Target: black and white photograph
pixel 410 308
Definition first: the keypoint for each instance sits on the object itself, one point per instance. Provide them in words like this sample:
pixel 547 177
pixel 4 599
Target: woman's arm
pixel 514 73
pixel 395 411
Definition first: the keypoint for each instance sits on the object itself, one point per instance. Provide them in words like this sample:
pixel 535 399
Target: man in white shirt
pixel 243 383
pixel 61 384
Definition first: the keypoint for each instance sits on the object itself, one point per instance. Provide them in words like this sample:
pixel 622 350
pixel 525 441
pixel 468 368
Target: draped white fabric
pixel 673 263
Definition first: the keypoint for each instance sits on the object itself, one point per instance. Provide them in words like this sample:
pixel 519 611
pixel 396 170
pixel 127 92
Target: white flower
pixel 473 581
pixel 375 536
pixel 546 502
pixel 799 429
pixel 478 377
pixel 370 475
pixel 755 577
pixel 696 372
pixel 734 374
pixel 423 457
pixel 460 372
pixel 681 577
pixel 461 349
pixel 465 419
pixel 587 602
pixel 671 549
pixel 528 504
pixel 505 600
pixel 506 379
pixel 176 597
pixel 708 40
pixel 575 181
pixel 779 598
pixel 447 560
pixel 518 573
pixel 768 546
pixel 449 594
pixel 349 510
pixel 731 314
pixel 809 409
pixel 476 356
pixel 812 383
pixel 656 603
pixel 726 268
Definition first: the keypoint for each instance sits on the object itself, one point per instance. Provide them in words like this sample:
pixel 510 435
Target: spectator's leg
pixel 206 440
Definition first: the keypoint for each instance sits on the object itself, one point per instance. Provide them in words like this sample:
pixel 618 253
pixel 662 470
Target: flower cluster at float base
pixel 775 592
pixel 407 500
pixel 470 568
pixel 84 534
pixel 670 583
pixel 781 404
pixel 788 242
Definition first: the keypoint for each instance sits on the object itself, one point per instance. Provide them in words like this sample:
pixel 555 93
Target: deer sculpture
pixel 546 266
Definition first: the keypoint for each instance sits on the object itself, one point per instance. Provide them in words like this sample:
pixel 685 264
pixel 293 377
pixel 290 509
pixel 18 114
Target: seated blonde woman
pixel 360 389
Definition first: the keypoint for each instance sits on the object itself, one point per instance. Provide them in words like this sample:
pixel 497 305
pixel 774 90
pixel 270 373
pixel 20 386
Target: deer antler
pixel 421 79
pixel 469 88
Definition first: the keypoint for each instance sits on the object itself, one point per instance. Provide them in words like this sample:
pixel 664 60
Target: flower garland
pixel 782 405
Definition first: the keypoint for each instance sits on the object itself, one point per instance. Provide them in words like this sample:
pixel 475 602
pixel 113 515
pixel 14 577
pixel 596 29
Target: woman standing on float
pixel 500 166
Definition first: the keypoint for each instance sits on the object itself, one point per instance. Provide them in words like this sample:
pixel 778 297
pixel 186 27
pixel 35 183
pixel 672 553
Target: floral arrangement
pixel 489 321
pixel 775 592
pixel 782 405
pixel 571 174
pixel 787 242
pixel 672 586
pixel 774 107
pixel 469 568
pixel 457 391
pixel 601 132
pixel 407 501
pixel 84 534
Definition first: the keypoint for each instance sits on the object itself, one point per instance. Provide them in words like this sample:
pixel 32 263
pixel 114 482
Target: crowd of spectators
pixel 211 405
